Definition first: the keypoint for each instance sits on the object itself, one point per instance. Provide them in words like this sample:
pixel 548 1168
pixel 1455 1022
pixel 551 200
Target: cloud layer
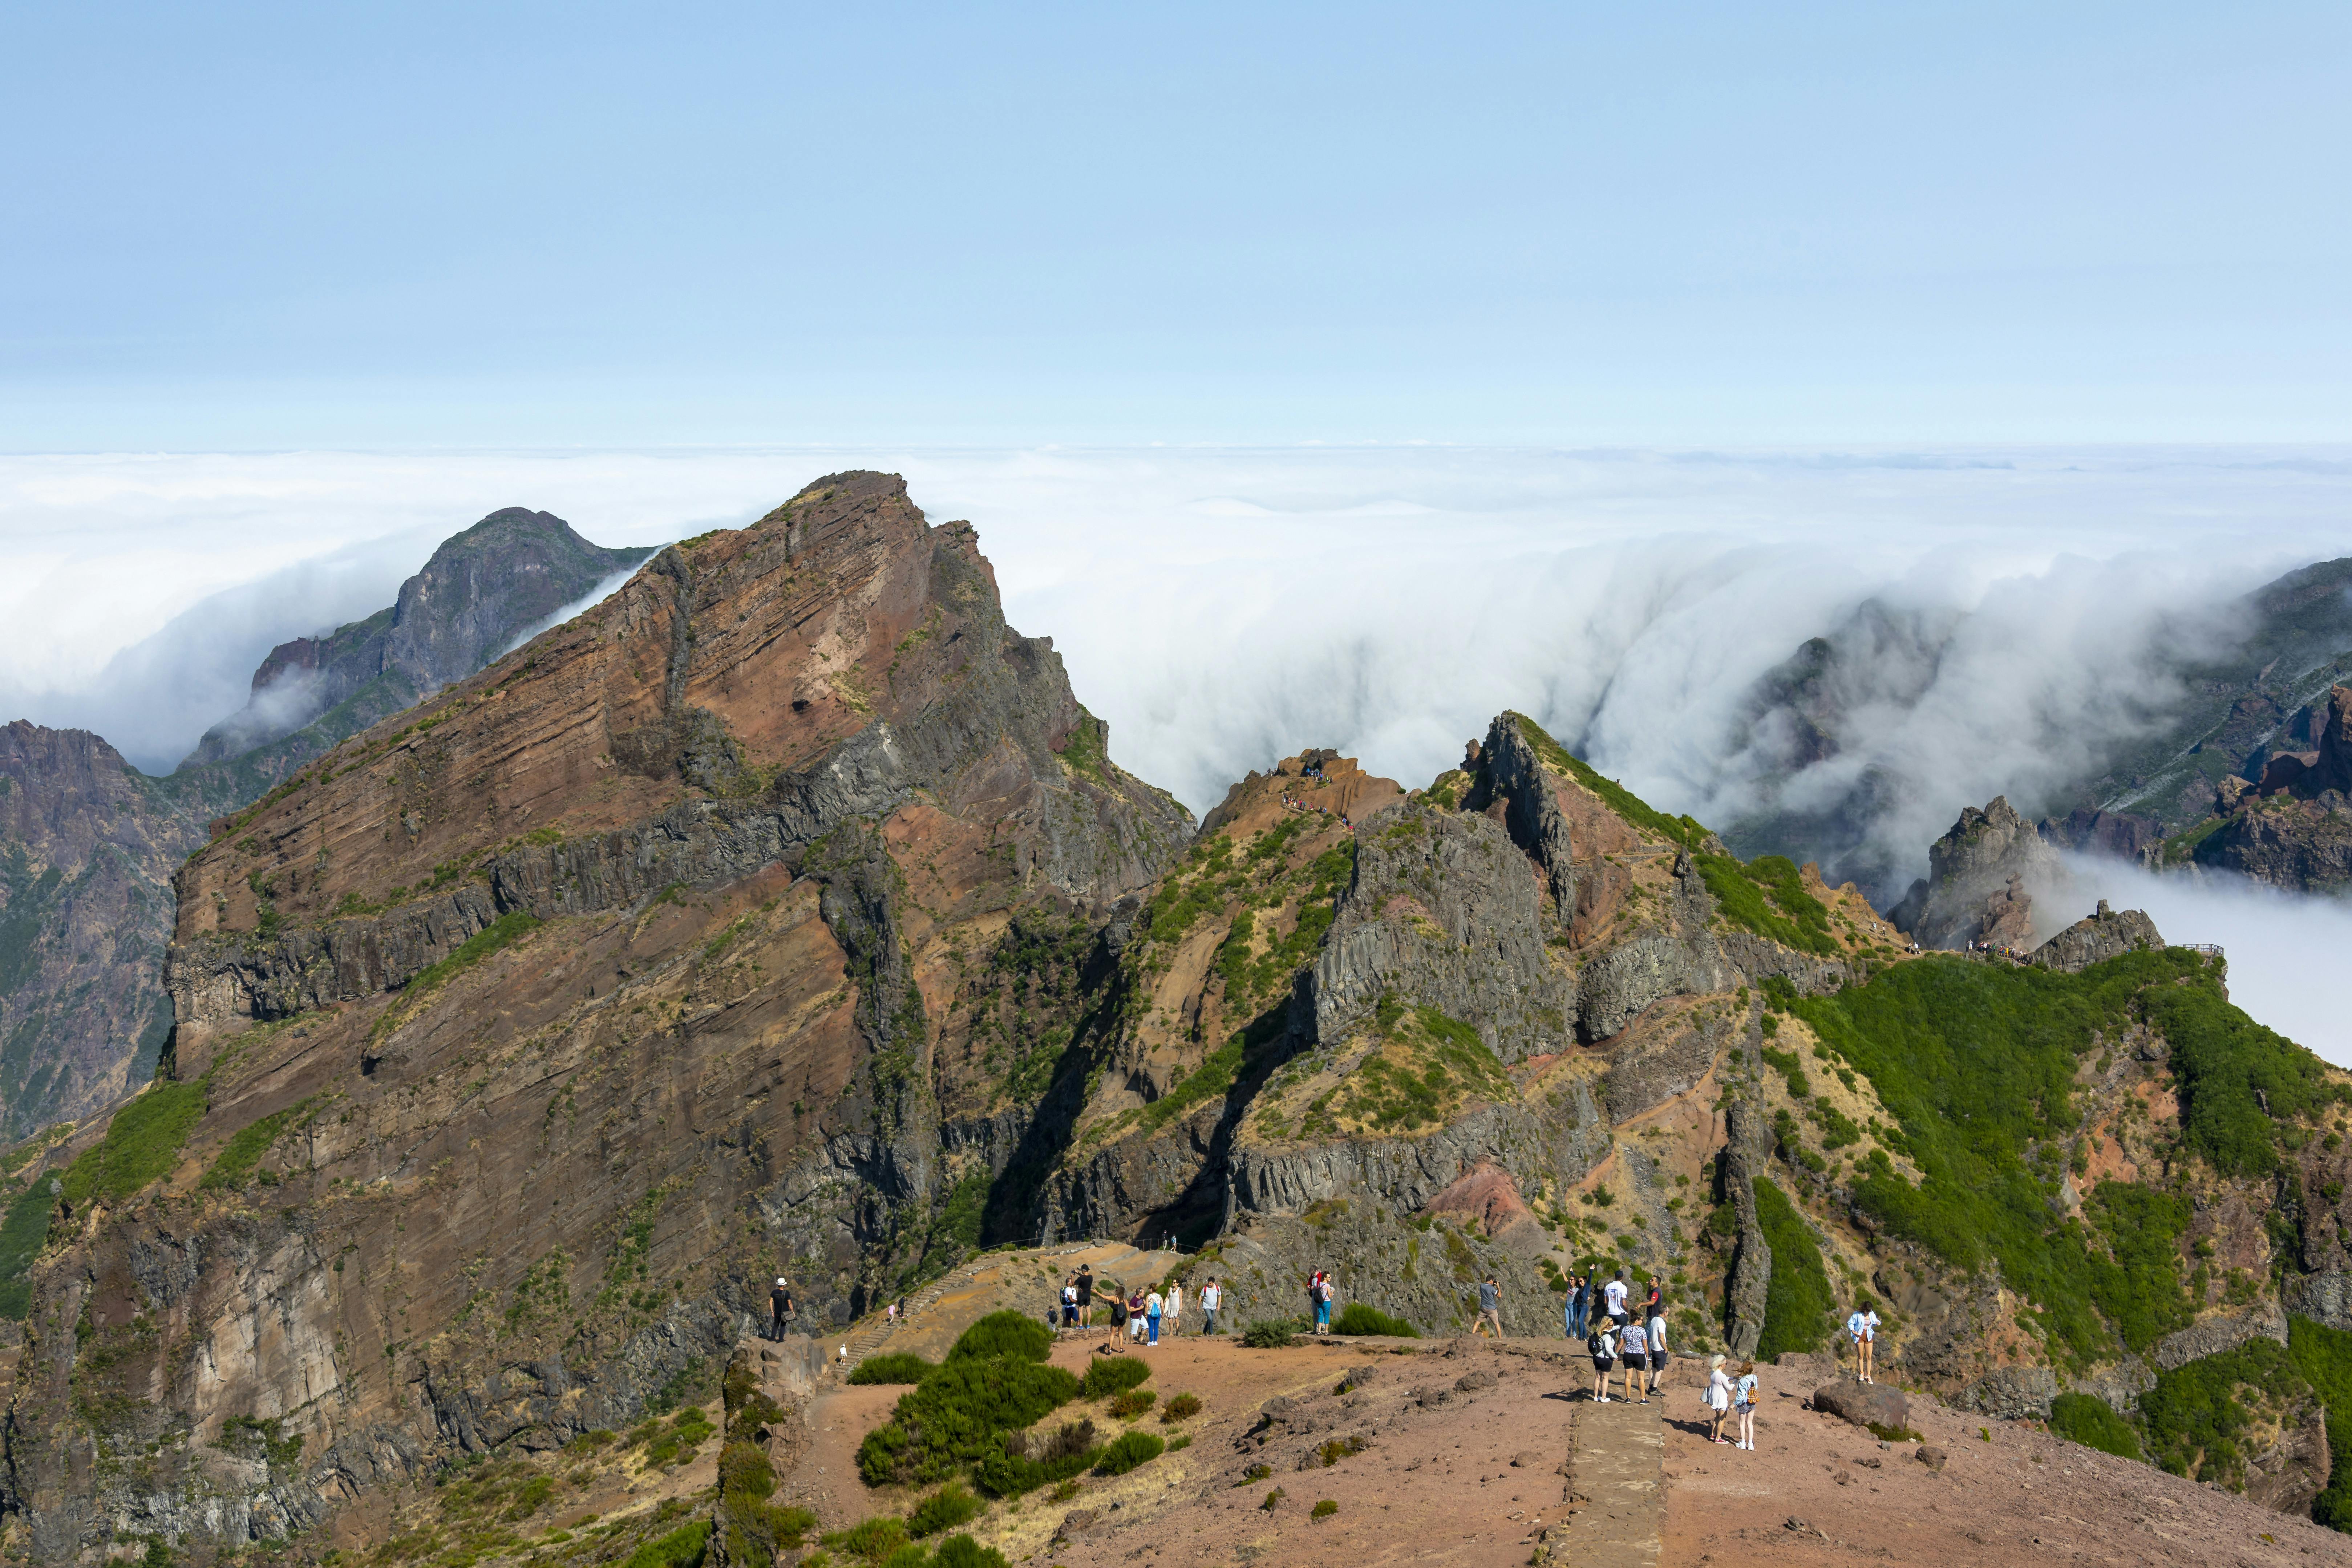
pixel 1224 608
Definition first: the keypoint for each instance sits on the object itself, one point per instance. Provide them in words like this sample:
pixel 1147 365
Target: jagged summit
pixel 480 589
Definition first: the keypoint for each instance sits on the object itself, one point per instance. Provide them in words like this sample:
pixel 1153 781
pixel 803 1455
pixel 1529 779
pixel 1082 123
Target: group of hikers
pixel 1144 1312
pixel 1615 1323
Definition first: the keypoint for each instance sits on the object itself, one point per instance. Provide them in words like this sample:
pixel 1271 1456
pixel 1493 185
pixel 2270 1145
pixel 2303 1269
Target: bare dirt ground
pixel 1456 1469
pixel 1819 1492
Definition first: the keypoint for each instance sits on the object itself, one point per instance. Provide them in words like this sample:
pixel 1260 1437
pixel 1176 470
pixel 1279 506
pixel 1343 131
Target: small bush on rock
pixel 1356 1318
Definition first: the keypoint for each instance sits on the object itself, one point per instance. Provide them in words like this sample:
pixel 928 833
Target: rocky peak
pixel 2100 935
pixel 1980 880
pixel 477 592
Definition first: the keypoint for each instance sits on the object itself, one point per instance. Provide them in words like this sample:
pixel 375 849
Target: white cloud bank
pixel 1223 608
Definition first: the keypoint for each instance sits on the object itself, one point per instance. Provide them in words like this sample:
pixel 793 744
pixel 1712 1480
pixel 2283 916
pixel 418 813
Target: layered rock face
pixel 94 843
pixel 2102 935
pixel 533 1035
pixel 481 587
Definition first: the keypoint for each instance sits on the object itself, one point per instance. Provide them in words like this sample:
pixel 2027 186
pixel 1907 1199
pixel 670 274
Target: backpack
pixel 1596 1343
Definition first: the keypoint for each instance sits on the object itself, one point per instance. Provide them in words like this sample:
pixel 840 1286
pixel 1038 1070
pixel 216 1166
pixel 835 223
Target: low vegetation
pixel 1356 1318
pixel 899 1366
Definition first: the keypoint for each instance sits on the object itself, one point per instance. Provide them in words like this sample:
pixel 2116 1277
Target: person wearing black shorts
pixel 1603 1346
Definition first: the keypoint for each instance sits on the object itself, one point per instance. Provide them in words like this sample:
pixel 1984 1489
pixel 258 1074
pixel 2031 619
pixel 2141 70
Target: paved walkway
pixel 1615 1484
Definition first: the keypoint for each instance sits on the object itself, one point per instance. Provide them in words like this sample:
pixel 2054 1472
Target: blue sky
pixel 241 227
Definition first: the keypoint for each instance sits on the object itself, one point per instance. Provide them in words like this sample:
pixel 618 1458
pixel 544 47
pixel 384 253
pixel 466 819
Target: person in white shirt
pixel 1212 1298
pixel 1614 1294
pixel 1743 1401
pixel 1657 1337
pixel 1602 1343
pixel 1175 1310
pixel 1152 1306
pixel 1636 1341
pixel 1862 1329
pixel 1718 1397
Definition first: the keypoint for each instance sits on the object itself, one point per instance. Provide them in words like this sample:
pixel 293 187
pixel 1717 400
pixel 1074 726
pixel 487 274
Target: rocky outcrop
pixel 87 848
pixel 2216 1336
pixel 1443 911
pixel 653 963
pixel 2325 1298
pixel 1512 783
pixel 2102 935
pixel 2305 845
pixel 1977 886
pixel 1748 1143
pixel 479 590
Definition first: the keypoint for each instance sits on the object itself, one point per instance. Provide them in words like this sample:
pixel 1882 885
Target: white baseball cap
pixel 779 1278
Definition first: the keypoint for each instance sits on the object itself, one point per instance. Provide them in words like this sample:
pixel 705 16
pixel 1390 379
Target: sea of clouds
pixel 1224 608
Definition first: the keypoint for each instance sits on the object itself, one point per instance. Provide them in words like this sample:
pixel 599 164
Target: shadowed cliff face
pixel 86 853
pixel 534 1033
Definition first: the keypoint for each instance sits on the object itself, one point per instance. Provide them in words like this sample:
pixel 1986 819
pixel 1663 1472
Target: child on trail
pixel 1490 1306
pixel 1862 1328
pixel 1212 1298
pixel 1743 1400
pixel 1719 1398
pixel 1601 1343
pixel 1152 1307
pixel 1636 1341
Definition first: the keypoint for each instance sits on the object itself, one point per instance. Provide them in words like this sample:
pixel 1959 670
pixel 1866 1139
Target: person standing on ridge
pixel 1490 1308
pixel 780 1306
pixel 1211 1297
pixel 1085 1296
pixel 1613 1294
pixel 1656 1325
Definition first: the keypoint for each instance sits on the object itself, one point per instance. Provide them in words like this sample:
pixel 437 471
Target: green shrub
pixel 1007 1333
pixel 1357 1318
pixel 2093 1422
pixel 955 1416
pixel 1183 1408
pixel 2196 1413
pixel 873 1540
pixel 681 1548
pixel 1111 1374
pixel 897 1367
pixel 1132 1402
pixel 945 1509
pixel 2138 1286
pixel 1886 1434
pixel 963 1552
pixel 1026 1462
pixel 1323 1509
pixel 1128 1451
pixel 1977 1062
pixel 1271 1333
pixel 2323 1356
pixel 1797 1303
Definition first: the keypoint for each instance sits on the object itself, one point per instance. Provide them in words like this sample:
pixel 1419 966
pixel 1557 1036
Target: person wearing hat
pixel 780 1306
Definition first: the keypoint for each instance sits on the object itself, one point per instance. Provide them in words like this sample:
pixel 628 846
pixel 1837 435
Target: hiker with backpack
pixel 780 1308
pixel 1602 1345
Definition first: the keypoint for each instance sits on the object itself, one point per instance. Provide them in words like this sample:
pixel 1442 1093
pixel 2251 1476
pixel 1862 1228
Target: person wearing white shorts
pixel 1862 1329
